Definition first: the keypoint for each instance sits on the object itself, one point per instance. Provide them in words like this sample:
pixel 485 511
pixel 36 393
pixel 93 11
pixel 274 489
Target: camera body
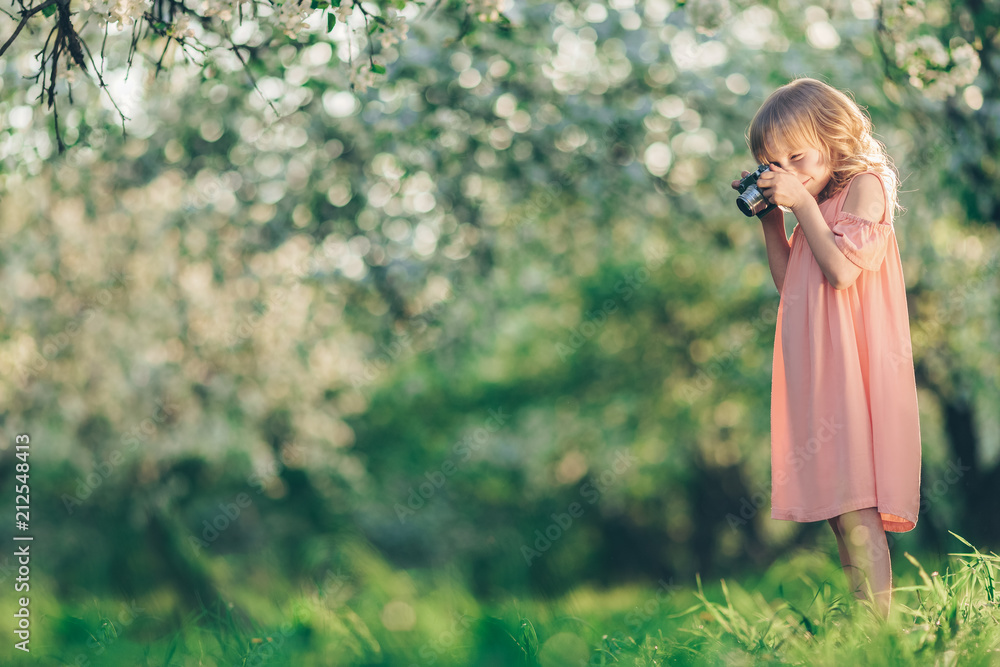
pixel 751 200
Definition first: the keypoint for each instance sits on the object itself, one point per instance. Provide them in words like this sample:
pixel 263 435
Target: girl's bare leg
pixel 864 553
pixel 853 579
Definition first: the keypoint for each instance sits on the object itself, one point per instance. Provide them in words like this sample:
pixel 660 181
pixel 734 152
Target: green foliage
pixel 413 327
pixel 955 618
pixel 951 618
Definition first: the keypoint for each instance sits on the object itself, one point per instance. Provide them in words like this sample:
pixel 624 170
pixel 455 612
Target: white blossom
pixel 68 71
pixel 364 78
pixel 127 12
pixel 288 16
pixel 934 68
pixel 487 10
pixel 396 28
pixel 344 11
pixel 221 8
pixel 291 15
pixel 182 28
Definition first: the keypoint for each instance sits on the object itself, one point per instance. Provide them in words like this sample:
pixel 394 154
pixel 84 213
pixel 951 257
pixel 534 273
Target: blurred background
pixel 491 330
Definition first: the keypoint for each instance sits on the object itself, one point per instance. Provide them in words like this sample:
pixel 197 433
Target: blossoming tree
pixel 197 29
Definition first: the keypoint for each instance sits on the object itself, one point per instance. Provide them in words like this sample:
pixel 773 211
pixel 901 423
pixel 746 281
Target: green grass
pixel 798 612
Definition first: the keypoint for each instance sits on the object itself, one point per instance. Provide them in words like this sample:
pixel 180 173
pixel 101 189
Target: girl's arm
pixel 775 239
pixel 834 264
pixel 777 244
pixel 864 199
pixel 864 196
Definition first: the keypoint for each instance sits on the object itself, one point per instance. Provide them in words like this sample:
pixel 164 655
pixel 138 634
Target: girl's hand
pixel 783 188
pixel 774 215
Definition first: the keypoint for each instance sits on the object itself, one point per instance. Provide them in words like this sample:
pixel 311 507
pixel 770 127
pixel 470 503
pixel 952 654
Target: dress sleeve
pixel 862 241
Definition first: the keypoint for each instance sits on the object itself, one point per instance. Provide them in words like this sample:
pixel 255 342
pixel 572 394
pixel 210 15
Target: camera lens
pixel 751 202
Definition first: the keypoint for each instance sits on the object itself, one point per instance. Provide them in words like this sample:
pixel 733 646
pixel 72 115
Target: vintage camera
pixel 751 200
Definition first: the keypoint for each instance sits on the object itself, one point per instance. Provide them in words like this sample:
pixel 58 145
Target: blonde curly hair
pixel 811 113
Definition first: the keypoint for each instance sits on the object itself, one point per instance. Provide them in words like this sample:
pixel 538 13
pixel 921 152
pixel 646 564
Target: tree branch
pixel 24 20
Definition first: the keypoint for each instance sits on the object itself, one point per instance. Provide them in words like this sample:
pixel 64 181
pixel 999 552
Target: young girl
pixel 845 435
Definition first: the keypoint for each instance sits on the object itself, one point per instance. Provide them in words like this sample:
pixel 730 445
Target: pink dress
pixel 845 432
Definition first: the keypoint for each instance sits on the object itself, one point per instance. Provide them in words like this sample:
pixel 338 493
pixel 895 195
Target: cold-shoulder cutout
pixel 866 197
pixel 862 226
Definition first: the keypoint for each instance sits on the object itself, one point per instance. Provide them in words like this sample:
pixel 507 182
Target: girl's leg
pixel 863 538
pixel 853 579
